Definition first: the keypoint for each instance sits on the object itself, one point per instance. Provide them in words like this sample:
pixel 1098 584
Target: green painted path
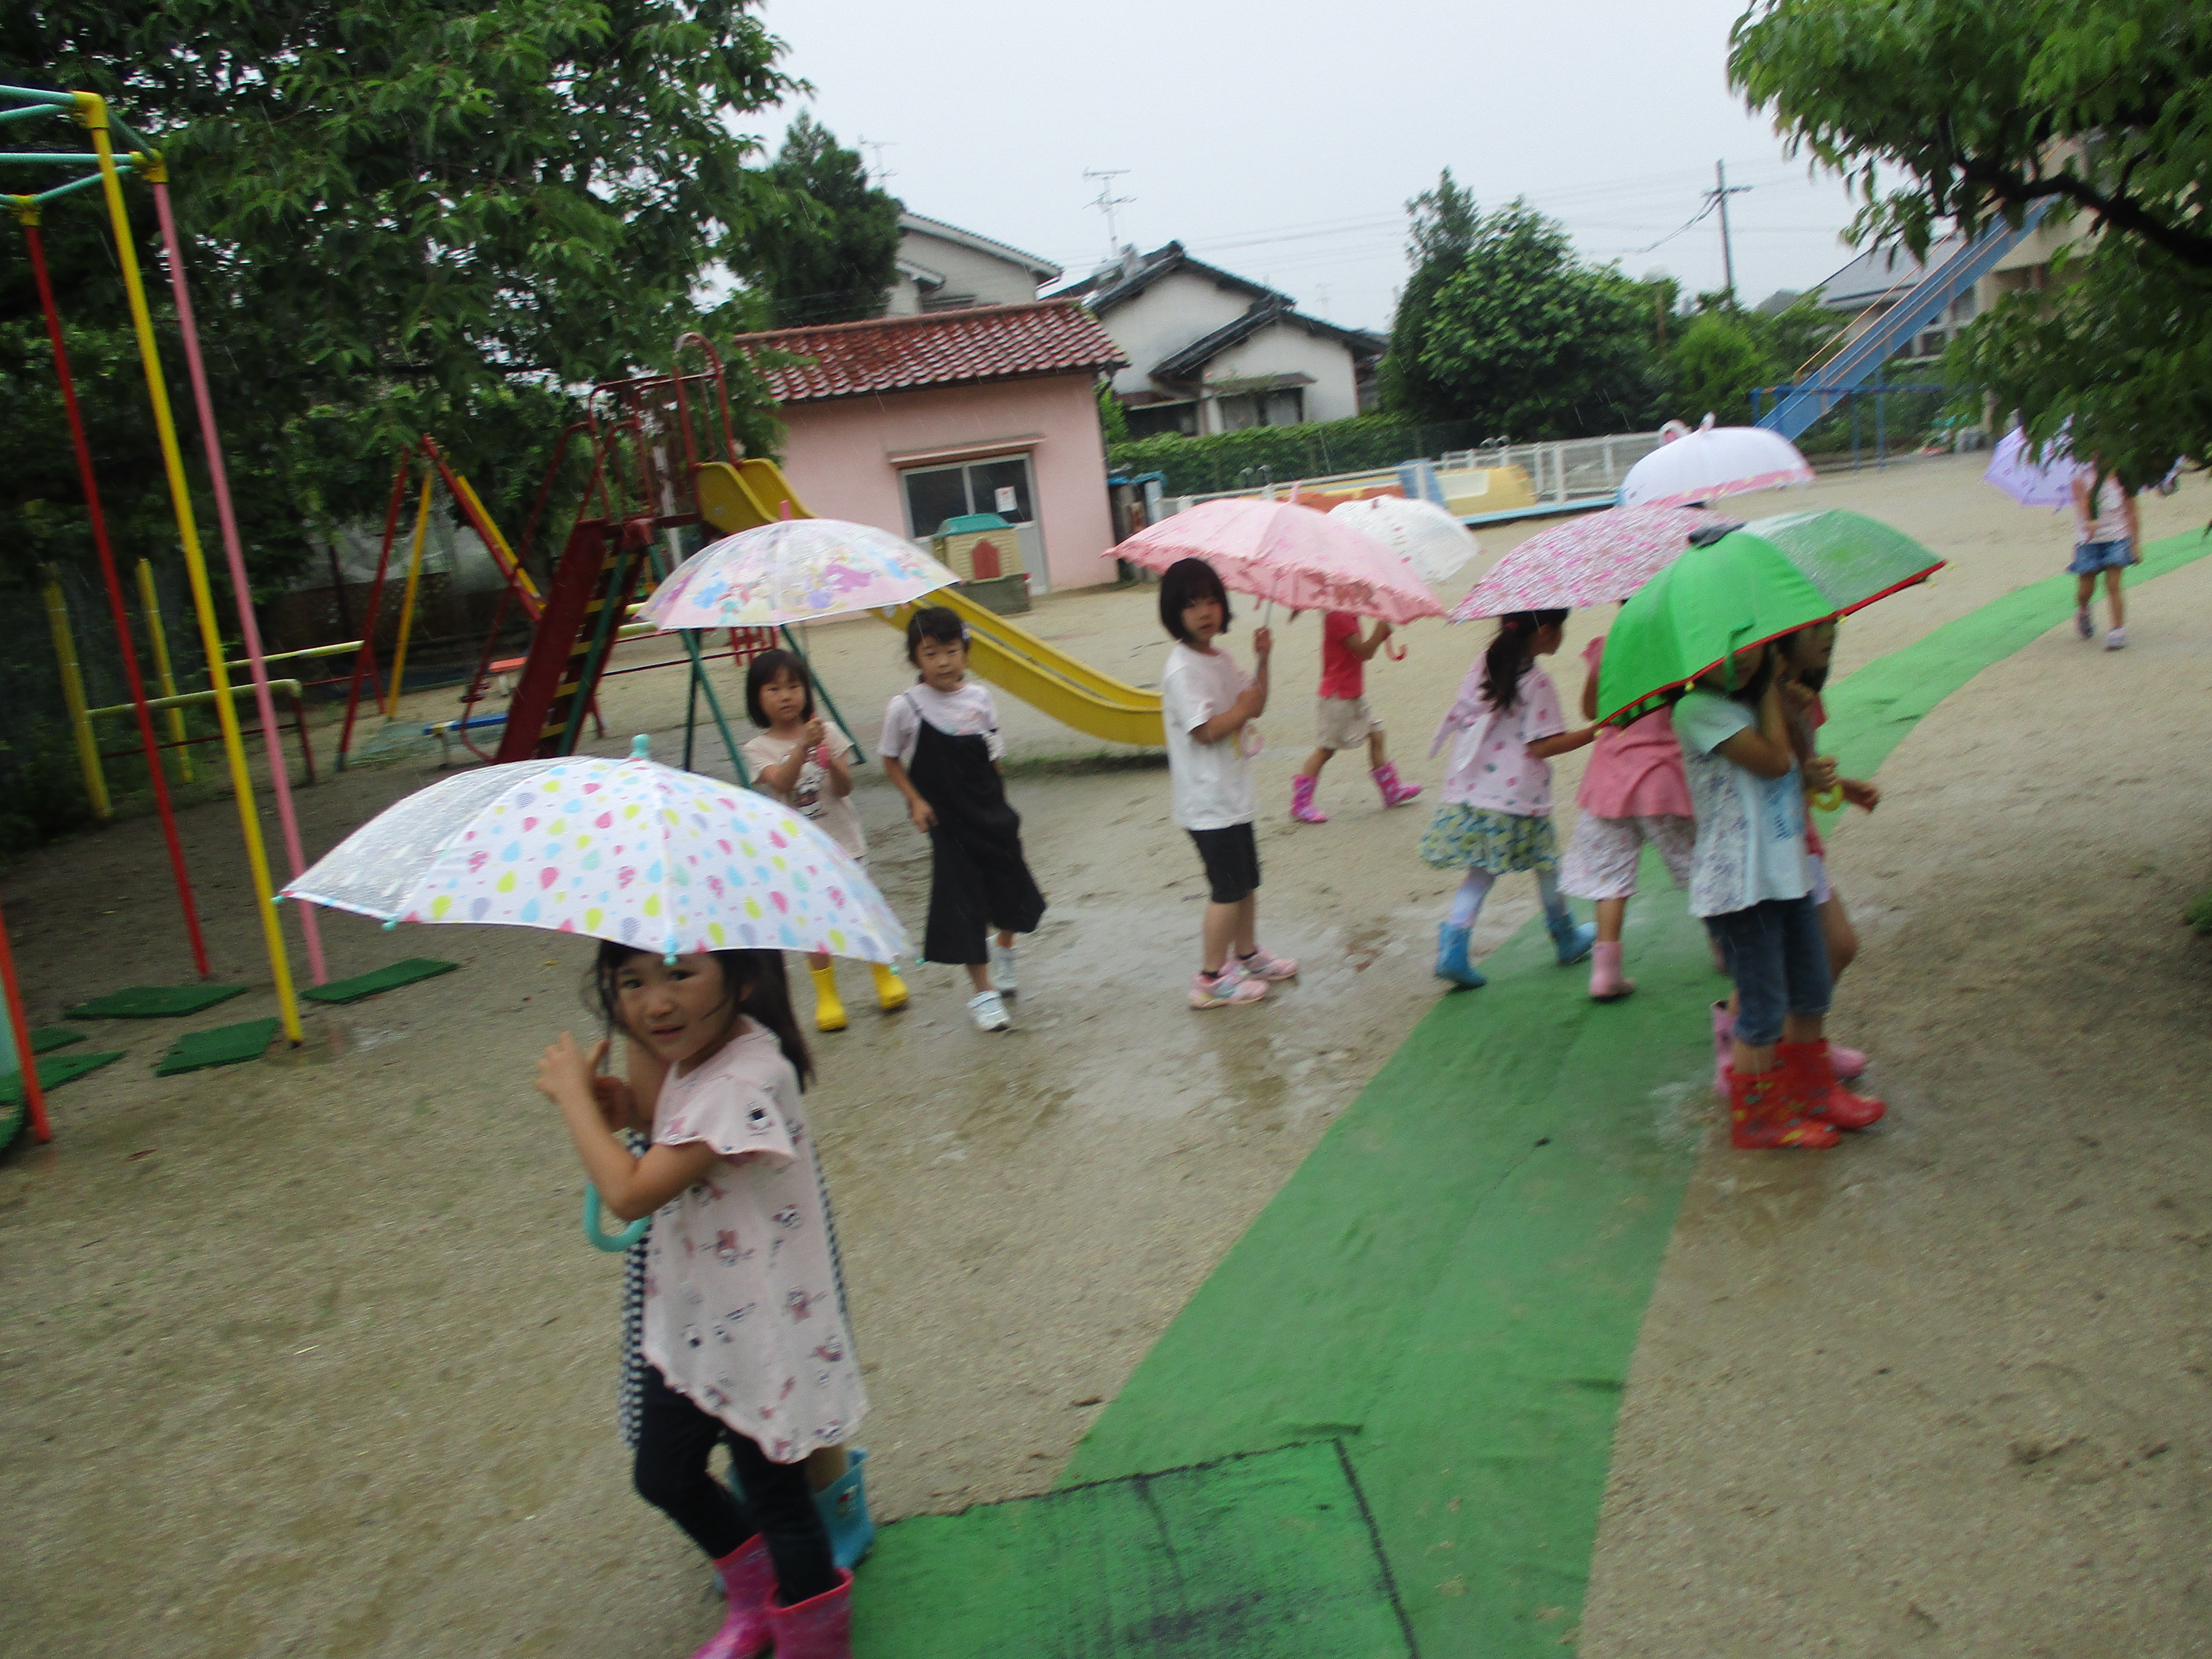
pixel 1449 1287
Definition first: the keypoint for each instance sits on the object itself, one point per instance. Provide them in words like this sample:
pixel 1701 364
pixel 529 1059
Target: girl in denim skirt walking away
pixel 2107 538
pixel 1496 815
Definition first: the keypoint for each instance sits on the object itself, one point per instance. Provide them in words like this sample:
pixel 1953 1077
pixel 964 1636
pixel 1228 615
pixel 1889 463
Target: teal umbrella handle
pixel 598 1237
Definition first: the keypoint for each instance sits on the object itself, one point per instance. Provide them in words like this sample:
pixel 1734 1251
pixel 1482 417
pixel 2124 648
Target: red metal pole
pixel 34 1098
pixel 366 656
pixel 146 737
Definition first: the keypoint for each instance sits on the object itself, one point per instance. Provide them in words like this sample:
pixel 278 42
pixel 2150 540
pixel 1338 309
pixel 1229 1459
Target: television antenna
pixel 1107 201
pixel 878 175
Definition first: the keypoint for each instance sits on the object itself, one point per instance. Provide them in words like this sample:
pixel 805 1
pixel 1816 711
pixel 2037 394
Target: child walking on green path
pixel 2107 538
pixel 1345 721
pixel 941 749
pixel 1207 706
pixel 745 1336
pixel 798 760
pixel 1496 815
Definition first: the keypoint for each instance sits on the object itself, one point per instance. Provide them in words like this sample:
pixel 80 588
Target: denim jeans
pixel 1779 962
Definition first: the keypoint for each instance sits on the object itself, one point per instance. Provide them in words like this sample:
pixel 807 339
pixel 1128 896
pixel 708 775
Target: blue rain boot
pixel 1570 939
pixel 1451 956
pixel 844 1506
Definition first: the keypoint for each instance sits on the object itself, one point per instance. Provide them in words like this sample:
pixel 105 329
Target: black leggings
pixel 674 1438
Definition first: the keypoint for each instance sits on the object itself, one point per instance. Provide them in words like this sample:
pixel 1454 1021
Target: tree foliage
pixel 1519 335
pixel 1711 367
pixel 1973 111
pixel 834 255
pixel 399 216
pixel 1445 221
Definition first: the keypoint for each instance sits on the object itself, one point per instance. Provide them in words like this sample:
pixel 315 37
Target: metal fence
pixel 1561 473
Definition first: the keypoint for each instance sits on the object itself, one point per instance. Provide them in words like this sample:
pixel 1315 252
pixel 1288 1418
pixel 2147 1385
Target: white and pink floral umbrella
pixel 1297 557
pixel 626 850
pixel 1711 462
pixel 2014 469
pixel 1593 560
pixel 795 570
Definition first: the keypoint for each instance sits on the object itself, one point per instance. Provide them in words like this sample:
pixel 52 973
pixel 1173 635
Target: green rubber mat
pixel 226 1045
pixel 46 1037
pixel 54 1070
pixel 1267 1557
pixel 154 1002
pixel 384 979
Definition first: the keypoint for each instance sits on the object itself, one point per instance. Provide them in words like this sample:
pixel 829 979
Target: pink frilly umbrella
pixel 1296 557
pixel 2014 469
pixel 1711 462
pixel 1594 560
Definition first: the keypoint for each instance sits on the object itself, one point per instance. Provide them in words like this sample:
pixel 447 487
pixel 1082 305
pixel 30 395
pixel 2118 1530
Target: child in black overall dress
pixel 941 748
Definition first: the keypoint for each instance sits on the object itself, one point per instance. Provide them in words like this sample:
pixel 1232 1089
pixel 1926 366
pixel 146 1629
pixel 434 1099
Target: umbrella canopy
pixel 2015 470
pixel 1420 533
pixel 795 570
pixel 626 850
pixel 1294 555
pixel 1592 560
pixel 1711 462
pixel 1742 588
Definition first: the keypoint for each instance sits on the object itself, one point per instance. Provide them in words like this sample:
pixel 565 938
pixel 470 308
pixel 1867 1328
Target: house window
pixel 1155 420
pixel 1250 408
pixel 934 494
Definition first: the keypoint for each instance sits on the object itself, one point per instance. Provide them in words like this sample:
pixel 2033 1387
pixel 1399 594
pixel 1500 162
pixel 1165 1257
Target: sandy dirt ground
pixel 309 1356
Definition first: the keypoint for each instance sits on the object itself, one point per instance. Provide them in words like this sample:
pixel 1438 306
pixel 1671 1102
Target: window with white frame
pixel 998 483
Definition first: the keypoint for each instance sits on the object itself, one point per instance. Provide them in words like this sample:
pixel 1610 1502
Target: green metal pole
pixel 714 705
pixel 823 692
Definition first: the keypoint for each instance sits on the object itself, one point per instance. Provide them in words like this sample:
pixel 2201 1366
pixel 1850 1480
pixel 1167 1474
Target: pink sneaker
pixel 1261 965
pixel 1302 801
pixel 1846 1063
pixel 1228 989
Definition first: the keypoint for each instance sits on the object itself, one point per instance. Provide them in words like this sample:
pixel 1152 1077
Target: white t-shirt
pixel 1214 787
pixel 744 1314
pixel 1490 765
pixel 1750 830
pixel 967 712
pixel 811 797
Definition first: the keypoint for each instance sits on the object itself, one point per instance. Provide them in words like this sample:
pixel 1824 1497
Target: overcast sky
pixel 1283 142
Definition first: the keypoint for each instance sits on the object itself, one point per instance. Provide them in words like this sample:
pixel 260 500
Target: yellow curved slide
pixel 1008 655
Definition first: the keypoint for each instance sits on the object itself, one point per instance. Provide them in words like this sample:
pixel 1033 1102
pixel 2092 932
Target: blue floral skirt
pixel 1478 838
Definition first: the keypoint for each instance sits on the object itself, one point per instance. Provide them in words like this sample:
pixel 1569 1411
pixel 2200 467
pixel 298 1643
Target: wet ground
pixel 309 1356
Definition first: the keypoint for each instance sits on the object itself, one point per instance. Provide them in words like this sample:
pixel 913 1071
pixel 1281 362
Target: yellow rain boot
pixel 890 989
pixel 829 1012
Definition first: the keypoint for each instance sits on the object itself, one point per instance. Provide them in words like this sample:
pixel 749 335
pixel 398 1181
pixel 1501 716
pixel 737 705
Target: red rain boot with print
pixel 1302 801
pixel 1812 1081
pixel 818 1628
pixel 748 1579
pixel 1396 792
pixel 1765 1116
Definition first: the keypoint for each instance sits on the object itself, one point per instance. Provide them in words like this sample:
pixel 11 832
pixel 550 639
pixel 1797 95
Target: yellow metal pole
pixel 150 603
pixel 92 112
pixel 407 604
pixel 87 750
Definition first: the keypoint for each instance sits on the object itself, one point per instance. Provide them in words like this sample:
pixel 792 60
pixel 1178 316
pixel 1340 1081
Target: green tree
pixel 401 216
pixel 1530 343
pixel 1714 362
pixel 1973 111
pixel 1445 221
pixel 833 253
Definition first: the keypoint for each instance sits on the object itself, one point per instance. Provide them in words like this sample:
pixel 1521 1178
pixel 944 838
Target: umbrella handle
pixel 598 1237
pixel 1829 799
pixel 1394 651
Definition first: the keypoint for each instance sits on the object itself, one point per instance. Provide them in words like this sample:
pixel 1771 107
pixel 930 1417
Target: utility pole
pixel 1107 202
pixel 1720 193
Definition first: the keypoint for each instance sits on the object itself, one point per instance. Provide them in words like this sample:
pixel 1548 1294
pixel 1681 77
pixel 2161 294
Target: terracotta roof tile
pixel 966 347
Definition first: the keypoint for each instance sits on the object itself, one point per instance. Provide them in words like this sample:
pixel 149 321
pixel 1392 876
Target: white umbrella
pixel 794 570
pixel 1422 534
pixel 2014 469
pixel 1711 462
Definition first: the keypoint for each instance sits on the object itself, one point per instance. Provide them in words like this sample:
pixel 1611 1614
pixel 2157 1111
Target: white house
pixel 1212 351
pixel 942 267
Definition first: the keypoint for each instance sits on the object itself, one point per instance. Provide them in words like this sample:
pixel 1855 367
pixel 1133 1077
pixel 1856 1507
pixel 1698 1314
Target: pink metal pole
pixel 34 1098
pixel 279 780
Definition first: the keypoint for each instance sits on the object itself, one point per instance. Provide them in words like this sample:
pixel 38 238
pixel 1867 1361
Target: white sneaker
pixel 1002 969
pixel 2116 639
pixel 987 1011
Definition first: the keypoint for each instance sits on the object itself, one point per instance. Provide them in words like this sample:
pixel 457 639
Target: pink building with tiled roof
pixel 906 422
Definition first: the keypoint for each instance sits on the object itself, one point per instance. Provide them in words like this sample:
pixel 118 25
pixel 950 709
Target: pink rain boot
pixel 1606 983
pixel 1724 1046
pixel 1302 801
pixel 1845 1063
pixel 748 1579
pixel 1396 791
pixel 818 1629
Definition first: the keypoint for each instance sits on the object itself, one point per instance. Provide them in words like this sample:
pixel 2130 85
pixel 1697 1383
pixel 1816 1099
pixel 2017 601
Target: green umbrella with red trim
pixel 1739 586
